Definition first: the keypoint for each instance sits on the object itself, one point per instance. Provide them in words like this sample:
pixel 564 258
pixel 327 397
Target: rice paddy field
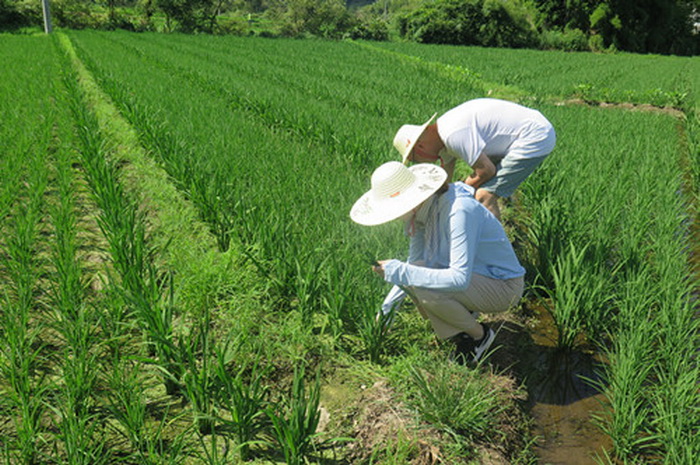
pixel 180 282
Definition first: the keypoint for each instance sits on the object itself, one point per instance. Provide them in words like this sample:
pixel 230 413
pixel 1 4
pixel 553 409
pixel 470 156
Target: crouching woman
pixel 460 260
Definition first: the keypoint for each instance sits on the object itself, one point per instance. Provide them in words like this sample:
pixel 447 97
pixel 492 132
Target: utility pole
pixel 47 16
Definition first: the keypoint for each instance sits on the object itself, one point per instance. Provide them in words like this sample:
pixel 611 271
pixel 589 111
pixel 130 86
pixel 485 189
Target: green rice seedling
pixel 373 328
pixel 199 381
pixel 82 441
pixel 677 410
pixel 579 298
pixel 547 228
pixel 630 367
pixel 67 286
pixel 308 288
pixel 336 298
pixel 155 314
pixel 295 419
pixel 126 403
pixel 243 396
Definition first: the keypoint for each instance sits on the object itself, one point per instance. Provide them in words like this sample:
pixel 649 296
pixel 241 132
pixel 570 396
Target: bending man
pixel 502 141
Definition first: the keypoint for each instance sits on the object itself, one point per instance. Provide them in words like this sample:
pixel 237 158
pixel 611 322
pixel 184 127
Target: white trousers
pixel 450 313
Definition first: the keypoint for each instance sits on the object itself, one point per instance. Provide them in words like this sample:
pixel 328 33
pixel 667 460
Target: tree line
pixel 641 26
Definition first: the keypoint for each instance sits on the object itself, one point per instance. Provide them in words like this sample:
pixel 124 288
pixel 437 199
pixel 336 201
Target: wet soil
pixel 563 388
pixel 565 399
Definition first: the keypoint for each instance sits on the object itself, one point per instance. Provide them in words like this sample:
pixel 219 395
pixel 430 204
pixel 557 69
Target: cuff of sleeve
pixel 390 271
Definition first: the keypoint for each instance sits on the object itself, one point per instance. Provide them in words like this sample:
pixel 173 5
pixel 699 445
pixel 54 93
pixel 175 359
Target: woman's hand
pixel 378 267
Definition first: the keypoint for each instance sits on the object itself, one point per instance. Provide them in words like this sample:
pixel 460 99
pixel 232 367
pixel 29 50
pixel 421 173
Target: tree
pixel 323 18
pixel 466 22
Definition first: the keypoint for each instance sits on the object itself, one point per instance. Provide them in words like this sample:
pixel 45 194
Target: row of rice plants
pixel 26 135
pixel 73 319
pixel 619 77
pixel 612 254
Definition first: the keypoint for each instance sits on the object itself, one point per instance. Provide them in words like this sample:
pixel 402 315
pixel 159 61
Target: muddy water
pixel 562 403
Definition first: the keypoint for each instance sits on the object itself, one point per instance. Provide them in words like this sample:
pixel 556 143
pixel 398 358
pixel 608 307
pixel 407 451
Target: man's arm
pixel 484 170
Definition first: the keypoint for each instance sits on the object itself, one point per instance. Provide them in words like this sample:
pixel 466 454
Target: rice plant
pixel 295 419
pixel 199 382
pixel 241 397
pixel 150 442
pixel 579 298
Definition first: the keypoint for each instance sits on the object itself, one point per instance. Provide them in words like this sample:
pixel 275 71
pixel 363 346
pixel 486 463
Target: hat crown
pixel 391 179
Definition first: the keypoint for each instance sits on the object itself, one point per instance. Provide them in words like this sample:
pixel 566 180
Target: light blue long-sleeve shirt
pixel 465 239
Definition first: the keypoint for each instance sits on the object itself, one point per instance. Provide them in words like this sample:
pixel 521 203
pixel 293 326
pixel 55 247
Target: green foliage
pixel 569 14
pixel 570 40
pixel 466 22
pixel 295 419
pixel 370 29
pixel 190 15
pixel 15 14
pixel 322 18
pixel 650 26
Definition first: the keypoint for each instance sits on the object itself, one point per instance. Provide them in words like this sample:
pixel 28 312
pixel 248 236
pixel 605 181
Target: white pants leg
pixel 450 313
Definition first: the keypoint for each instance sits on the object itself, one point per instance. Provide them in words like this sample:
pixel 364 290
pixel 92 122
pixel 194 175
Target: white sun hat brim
pixel 396 190
pixel 407 136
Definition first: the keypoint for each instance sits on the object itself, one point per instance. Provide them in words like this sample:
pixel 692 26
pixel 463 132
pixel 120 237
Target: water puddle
pixel 562 399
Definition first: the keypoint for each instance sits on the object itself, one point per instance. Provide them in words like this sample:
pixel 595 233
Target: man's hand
pixel 484 170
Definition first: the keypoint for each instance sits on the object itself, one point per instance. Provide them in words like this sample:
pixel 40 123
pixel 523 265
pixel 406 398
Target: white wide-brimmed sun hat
pixel 396 190
pixel 407 136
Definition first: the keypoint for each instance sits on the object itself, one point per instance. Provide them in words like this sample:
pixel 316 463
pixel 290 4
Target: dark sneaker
pixel 483 345
pixel 463 351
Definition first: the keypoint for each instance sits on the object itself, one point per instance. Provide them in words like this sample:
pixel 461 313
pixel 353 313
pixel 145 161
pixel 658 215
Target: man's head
pixel 409 137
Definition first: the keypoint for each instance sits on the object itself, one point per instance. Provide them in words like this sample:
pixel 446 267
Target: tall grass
pixel 26 137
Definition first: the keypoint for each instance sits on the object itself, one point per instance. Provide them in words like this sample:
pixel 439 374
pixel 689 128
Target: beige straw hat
pixel 407 136
pixel 396 190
